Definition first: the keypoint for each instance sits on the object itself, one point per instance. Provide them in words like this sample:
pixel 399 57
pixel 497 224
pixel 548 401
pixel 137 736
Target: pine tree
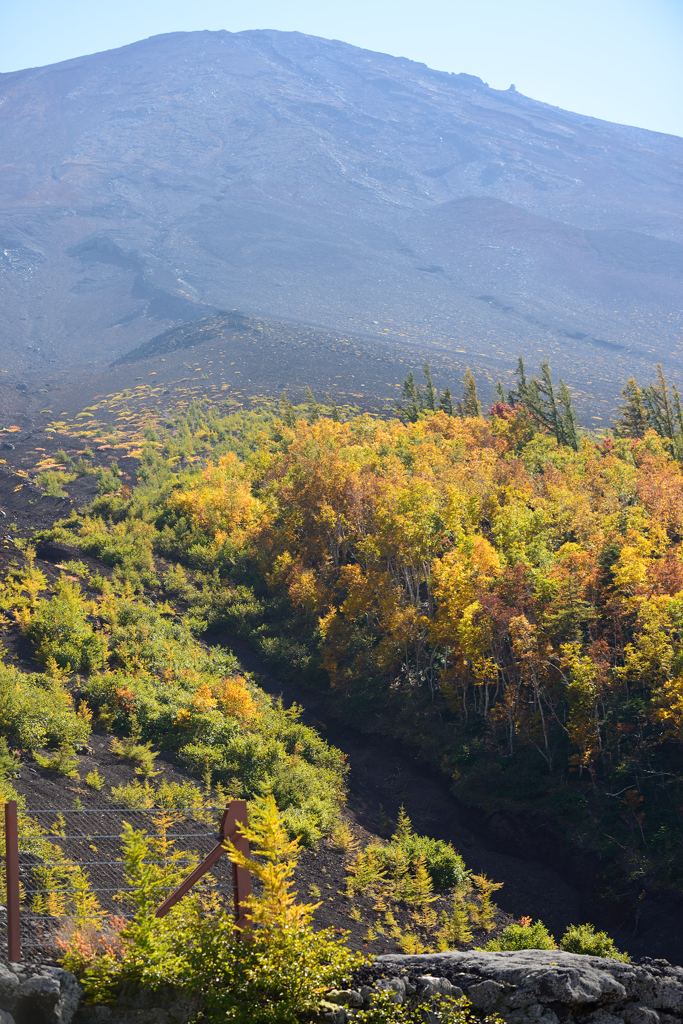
pixel 569 428
pixel 500 393
pixel 288 413
pixel 678 410
pixel 404 827
pixel 656 401
pixel 414 406
pixel 422 887
pixel 430 395
pixel 335 411
pixel 519 395
pixel 469 404
pixel 446 402
pixel 632 420
pixel 546 394
pixel 548 411
pixel 313 407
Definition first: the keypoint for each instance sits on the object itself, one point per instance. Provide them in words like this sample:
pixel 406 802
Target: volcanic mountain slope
pixel 300 178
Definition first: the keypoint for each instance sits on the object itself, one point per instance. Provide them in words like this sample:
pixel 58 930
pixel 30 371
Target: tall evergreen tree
pixel 430 393
pixel 469 404
pixel 446 402
pixel 335 410
pixel 632 420
pixel 313 407
pixel 414 402
pixel 519 395
pixel 570 431
pixel 500 393
pixel 551 412
pixel 658 405
pixel 544 394
pixel 287 410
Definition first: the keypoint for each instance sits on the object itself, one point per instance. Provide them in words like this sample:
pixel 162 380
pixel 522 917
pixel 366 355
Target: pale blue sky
pixel 621 60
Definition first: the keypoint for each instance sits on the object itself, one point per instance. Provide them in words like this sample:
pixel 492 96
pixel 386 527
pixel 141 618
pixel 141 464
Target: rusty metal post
pixel 12 878
pixel 241 877
pixel 233 815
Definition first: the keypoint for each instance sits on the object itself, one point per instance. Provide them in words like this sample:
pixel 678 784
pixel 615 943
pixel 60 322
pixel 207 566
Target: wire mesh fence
pixel 64 866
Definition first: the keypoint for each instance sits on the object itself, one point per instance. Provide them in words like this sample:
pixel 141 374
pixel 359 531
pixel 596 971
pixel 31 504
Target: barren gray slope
pixel 292 176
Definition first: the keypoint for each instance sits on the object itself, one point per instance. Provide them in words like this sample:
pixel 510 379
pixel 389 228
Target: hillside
pixel 307 180
pixel 496 606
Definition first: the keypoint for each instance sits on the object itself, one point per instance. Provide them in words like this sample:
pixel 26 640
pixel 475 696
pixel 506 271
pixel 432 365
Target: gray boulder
pixel 38 995
pixel 539 985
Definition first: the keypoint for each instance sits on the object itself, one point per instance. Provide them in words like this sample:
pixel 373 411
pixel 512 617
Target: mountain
pixel 293 177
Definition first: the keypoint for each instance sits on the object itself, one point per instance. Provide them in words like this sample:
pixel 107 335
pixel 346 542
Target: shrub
pixel 59 631
pixel 64 762
pixel 178 795
pixel 52 482
pixel 95 780
pixel 523 936
pixel 583 938
pixel 445 866
pixel 9 760
pixel 133 795
pixel 37 711
pixel 276 978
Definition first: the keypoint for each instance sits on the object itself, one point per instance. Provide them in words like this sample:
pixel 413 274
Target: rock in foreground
pixel 540 985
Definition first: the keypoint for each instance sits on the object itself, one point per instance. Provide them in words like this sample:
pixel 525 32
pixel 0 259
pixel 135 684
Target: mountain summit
pixel 295 177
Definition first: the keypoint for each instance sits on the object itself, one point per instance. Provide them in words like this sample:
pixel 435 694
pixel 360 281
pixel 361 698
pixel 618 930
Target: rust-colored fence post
pixel 233 815
pixel 12 878
pixel 236 815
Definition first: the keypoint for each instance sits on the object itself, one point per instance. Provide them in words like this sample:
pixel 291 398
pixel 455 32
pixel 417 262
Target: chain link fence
pixel 64 867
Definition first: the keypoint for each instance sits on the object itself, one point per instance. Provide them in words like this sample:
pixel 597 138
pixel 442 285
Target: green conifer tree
pixel 430 394
pixel 520 394
pixel 335 411
pixel 287 411
pixel 313 407
pixel 568 426
pixel 658 405
pixel 469 404
pixel 446 402
pixel 632 419
pixel 414 402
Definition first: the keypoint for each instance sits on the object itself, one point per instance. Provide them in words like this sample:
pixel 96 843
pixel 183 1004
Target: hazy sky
pixel 621 60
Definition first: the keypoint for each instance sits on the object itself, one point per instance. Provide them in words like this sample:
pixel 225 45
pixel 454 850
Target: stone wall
pixel 527 986
pixel 530 985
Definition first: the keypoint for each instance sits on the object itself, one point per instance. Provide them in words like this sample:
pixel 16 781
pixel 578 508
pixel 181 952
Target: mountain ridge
pixel 294 177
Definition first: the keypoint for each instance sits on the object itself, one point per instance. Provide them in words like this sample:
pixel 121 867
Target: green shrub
pixel 52 482
pixel 178 795
pixel 95 780
pixel 438 1010
pixel 9 760
pixel 520 936
pixel 583 938
pixel 59 631
pixel 64 762
pixel 445 866
pixel 37 711
pixel 276 978
pixel 133 795
pixel 108 480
